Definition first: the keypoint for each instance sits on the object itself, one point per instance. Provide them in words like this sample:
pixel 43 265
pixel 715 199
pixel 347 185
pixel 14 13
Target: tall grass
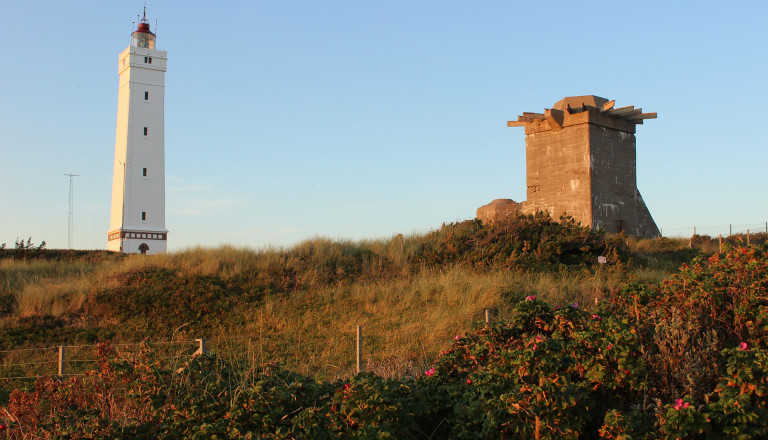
pixel 406 322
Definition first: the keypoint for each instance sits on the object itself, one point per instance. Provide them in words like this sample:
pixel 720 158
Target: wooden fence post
pixel 747 237
pixel 61 360
pixel 359 348
pixel 487 316
pixel 730 229
pixel 720 244
pixel 201 347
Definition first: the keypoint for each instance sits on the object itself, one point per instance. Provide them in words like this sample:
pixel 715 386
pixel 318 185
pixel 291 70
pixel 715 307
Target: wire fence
pixel 715 231
pixel 76 360
pixel 361 349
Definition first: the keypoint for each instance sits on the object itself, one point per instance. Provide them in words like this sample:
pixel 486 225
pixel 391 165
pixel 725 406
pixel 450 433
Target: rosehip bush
pixel 544 374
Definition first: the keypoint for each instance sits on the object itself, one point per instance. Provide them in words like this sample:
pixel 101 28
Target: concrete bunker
pixel 580 158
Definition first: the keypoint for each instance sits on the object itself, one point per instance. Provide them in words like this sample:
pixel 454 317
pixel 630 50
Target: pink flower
pixel 346 386
pixel 610 346
pixel 743 346
pixel 530 297
pixel 680 404
pixel 558 307
pixel 575 305
pixel 430 372
pixel 534 346
pixel 457 337
pixel 538 338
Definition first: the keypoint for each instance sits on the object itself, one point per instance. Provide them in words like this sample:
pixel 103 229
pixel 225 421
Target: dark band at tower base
pixel 581 161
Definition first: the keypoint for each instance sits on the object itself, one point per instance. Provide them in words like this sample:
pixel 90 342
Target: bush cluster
pixel 527 243
pixel 150 295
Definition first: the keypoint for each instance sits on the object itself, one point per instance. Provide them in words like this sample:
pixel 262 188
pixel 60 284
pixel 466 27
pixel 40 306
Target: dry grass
pixel 406 322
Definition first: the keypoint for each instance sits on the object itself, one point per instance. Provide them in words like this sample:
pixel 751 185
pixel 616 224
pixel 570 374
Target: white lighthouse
pixel 137 223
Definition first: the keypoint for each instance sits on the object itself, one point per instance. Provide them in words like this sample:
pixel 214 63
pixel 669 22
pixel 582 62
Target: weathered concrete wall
pixel 557 172
pixel 613 178
pixel 616 202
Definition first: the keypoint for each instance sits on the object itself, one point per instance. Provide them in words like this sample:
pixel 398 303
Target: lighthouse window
pixel 143 215
pixel 146 131
pixel 146 96
pixel 144 172
pixel 147 60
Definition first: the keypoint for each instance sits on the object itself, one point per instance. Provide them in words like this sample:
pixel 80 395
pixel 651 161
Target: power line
pixel 70 225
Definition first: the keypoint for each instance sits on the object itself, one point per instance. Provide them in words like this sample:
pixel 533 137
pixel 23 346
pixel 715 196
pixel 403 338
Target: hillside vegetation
pixel 302 304
pixel 554 363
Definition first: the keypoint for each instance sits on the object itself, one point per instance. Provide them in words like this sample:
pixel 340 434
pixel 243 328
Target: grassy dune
pixel 300 305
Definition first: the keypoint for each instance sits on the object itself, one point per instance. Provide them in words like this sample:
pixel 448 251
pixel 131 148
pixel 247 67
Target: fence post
pixel 747 237
pixel 201 348
pixel 359 348
pixel 720 244
pixel 766 227
pixel 61 360
pixel 487 316
pixel 730 229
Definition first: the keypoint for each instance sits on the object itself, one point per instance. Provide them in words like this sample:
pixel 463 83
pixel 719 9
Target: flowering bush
pixel 544 374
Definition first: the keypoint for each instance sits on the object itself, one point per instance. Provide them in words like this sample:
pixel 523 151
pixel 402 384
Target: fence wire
pixel 716 230
pixel 77 360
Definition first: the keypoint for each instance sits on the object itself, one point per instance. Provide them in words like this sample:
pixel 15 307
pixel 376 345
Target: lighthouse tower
pixel 137 222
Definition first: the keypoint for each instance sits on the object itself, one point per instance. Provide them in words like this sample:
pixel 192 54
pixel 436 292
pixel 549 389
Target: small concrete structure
pixel 499 209
pixel 581 161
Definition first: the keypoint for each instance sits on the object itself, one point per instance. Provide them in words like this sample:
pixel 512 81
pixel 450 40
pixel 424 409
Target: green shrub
pixel 526 243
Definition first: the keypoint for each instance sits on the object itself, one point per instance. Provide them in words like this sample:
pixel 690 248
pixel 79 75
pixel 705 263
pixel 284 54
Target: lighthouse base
pixel 138 242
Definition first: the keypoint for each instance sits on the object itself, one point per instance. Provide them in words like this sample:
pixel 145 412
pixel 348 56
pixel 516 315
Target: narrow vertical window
pixel 144 172
pixel 143 215
pixel 146 96
pixel 145 60
pixel 146 131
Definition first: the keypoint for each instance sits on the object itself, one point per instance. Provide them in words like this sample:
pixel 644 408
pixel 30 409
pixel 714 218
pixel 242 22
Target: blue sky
pixel 364 119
